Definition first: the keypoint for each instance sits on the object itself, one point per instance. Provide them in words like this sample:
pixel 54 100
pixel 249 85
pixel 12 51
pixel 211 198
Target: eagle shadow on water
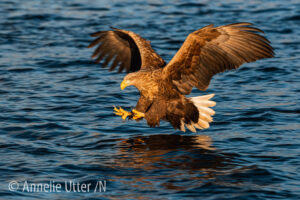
pixel 204 53
pixel 161 151
pixel 194 158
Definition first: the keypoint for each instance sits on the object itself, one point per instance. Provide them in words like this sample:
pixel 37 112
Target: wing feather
pixel 125 49
pixel 211 50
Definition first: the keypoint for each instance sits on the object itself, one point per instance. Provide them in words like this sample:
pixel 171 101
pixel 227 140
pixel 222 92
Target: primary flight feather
pixel 162 86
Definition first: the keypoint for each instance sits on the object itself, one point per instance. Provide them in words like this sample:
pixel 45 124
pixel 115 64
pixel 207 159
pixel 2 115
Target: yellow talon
pixel 118 111
pixel 122 112
pixel 137 115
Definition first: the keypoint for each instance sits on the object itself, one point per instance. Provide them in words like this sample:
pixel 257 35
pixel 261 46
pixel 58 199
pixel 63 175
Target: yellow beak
pixel 123 85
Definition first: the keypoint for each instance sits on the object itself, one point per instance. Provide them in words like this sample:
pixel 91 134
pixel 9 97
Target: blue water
pixel 57 121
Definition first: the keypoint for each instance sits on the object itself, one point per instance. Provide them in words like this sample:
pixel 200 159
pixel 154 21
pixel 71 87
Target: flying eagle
pixel 162 86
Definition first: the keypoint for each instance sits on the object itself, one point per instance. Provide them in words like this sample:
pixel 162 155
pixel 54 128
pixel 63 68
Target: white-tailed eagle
pixel 162 86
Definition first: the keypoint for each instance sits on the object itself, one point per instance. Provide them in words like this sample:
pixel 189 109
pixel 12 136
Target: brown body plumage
pixel 162 87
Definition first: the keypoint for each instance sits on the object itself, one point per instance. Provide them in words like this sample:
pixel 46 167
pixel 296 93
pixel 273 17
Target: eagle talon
pixel 123 113
pixel 137 115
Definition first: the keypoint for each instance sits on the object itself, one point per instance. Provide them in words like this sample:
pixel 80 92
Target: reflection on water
pixel 169 142
pixel 194 158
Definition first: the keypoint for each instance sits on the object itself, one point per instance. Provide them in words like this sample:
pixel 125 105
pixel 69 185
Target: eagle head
pixel 129 79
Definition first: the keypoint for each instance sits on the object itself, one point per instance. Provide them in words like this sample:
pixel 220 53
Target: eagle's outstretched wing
pixel 126 49
pixel 211 50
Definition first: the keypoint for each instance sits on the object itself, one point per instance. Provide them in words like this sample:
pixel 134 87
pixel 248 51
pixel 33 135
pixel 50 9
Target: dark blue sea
pixel 57 125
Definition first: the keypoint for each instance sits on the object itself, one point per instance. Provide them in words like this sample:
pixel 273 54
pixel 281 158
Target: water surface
pixel 57 121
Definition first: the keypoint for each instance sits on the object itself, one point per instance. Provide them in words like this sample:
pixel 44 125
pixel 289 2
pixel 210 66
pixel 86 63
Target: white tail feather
pixel 191 127
pixel 206 117
pixel 198 127
pixel 202 103
pixel 205 110
pixel 182 128
pixel 203 123
pixel 204 97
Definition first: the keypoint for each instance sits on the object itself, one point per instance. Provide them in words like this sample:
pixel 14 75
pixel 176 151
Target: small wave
pixel 49 126
pixel 21 69
pixel 266 10
pixel 44 17
pixel 292 18
pixel 62 64
pixel 193 5
pixel 271 69
pixel 84 77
